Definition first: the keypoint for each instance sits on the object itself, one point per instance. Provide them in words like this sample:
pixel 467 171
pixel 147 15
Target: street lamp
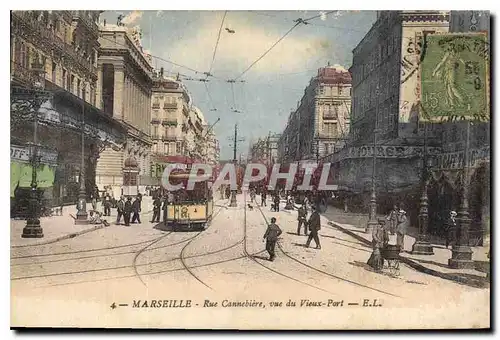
pixel 461 253
pixel 422 245
pixel 372 214
pixel 33 228
pixel 81 214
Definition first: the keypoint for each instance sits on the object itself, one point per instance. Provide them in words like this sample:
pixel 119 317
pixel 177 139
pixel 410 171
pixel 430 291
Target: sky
pixel 272 87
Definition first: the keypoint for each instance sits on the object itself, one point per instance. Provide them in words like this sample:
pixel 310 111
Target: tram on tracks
pixel 189 209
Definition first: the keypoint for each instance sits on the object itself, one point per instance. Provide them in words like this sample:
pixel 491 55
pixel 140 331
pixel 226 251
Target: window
pixel 69 82
pixel 167 148
pixel 321 90
pixel 78 87
pixel 330 129
pixel 64 79
pixel 178 147
pixel 155 147
pixel 54 72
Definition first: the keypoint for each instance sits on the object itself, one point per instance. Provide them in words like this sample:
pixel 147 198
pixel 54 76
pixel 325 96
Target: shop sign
pixel 22 154
pixel 385 151
pixel 455 160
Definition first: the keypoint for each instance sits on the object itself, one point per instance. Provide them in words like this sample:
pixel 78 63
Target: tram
pixel 190 209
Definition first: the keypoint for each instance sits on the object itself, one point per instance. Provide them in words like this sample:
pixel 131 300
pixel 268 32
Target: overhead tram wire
pixel 210 98
pixel 167 61
pixel 216 45
pixel 297 23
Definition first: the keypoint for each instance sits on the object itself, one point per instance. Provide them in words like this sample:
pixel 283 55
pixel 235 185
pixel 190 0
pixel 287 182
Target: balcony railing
pixel 169 121
pixel 155 121
pixel 169 105
pixel 83 16
pixel 155 137
pixel 169 137
pixel 330 116
pixel 156 105
pixel 22 74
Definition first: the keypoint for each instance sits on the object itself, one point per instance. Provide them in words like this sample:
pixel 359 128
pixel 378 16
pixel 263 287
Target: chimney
pixel 328 64
pixel 161 72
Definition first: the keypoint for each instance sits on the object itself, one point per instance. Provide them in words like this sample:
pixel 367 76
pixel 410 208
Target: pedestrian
pixel 271 237
pixel 401 229
pixel 127 210
pixel 302 220
pixel 136 209
pixel 263 197
pixel 120 209
pixel 94 202
pixel 449 228
pixel 277 203
pixel 106 202
pixel 393 219
pixel 156 209
pixel 314 224
pixel 166 201
pixel 380 239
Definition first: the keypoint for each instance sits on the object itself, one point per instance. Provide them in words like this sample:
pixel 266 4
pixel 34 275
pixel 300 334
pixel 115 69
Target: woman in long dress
pixel 380 238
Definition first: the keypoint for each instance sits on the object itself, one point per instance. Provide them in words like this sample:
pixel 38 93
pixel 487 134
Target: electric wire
pixel 269 50
pixel 217 43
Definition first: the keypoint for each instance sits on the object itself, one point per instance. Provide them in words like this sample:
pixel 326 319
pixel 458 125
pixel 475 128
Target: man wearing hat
pixel 449 228
pixel 401 229
pixel 271 237
pixel 314 224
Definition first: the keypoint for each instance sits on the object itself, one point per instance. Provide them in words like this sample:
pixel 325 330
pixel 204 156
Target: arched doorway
pixel 479 205
pixel 443 198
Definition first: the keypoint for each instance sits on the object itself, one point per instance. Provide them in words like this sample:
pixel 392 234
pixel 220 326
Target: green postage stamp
pixel 455 77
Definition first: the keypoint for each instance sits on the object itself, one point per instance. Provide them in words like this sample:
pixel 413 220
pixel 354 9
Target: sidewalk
pixel 57 228
pixel 436 264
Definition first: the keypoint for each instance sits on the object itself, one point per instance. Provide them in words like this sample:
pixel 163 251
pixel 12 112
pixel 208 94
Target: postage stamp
pixel 455 77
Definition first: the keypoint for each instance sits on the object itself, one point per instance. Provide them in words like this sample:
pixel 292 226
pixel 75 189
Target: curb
pixel 60 238
pixel 68 236
pixel 417 266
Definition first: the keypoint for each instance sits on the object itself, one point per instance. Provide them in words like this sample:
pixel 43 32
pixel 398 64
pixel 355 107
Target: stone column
pixel 99 102
pixel 118 111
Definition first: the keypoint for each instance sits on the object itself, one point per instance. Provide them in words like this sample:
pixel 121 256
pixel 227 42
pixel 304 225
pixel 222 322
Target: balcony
pixel 330 116
pixel 156 105
pixel 155 121
pixel 169 105
pixel 155 137
pixel 169 121
pixel 23 75
pixel 169 137
pixel 85 18
pixel 47 39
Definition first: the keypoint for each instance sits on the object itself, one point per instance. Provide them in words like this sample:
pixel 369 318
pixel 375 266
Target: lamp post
pixel 461 253
pixel 422 245
pixel 33 228
pixel 233 192
pixel 81 215
pixel 372 214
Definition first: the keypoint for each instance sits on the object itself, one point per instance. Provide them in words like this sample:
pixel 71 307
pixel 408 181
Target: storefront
pixel 59 136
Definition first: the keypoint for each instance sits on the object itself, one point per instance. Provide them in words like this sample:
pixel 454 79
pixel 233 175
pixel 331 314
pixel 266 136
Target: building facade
pixel 385 120
pixel 320 123
pixel 54 78
pixel 124 92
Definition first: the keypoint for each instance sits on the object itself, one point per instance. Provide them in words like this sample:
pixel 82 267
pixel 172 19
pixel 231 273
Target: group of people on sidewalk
pixel 129 210
pixel 396 223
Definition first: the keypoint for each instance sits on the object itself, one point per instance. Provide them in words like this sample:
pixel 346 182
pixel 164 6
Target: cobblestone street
pixel 83 276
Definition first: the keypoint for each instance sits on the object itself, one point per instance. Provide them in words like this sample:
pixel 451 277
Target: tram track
pixel 322 271
pixel 247 255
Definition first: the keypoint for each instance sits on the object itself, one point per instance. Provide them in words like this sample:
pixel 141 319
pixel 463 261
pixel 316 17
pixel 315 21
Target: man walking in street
pixel 449 228
pixel 120 210
pixel 127 210
pixel 107 205
pixel 271 237
pixel 401 229
pixel 277 202
pixel 314 226
pixel 263 197
pixel 136 209
pixel 156 209
pixel 302 220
